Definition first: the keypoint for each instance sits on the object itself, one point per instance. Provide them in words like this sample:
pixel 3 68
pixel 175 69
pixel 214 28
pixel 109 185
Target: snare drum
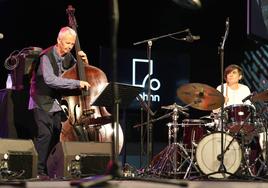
pixel 240 115
pixel 193 131
pixel 208 152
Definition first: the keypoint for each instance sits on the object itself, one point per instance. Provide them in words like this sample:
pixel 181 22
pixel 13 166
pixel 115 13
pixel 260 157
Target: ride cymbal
pixel 260 97
pixel 200 96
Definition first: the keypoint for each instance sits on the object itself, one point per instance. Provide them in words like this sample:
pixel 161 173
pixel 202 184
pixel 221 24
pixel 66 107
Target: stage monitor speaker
pixel 19 158
pixel 78 159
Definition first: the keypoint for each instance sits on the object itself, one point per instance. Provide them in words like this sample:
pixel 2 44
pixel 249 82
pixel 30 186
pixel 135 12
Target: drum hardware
pixel 245 149
pixel 204 97
pixel 263 141
pixel 263 144
pixel 262 131
pixel 263 166
pixel 174 114
pixel 209 99
pixel 166 162
pixel 218 102
pixel 247 166
pixel 149 53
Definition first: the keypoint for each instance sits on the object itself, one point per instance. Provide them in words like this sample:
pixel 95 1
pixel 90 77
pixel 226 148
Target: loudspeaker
pixel 19 157
pixel 78 159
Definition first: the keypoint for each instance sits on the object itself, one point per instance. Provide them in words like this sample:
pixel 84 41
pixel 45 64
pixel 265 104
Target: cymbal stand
pixel 175 131
pixel 265 145
pixel 149 129
pixel 168 163
pixel 264 149
pixel 247 169
pixel 169 133
pixel 245 149
pixel 222 169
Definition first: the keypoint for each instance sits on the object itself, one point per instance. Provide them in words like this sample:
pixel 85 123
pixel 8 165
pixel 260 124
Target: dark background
pixel 36 23
pixel 31 23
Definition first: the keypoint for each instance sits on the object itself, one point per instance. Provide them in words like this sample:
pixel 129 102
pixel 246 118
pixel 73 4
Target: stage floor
pixel 139 183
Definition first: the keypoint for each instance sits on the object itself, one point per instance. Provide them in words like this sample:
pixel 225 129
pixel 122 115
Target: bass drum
pixel 208 154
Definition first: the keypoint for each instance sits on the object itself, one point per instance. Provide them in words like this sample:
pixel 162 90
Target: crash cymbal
pixel 260 97
pixel 200 96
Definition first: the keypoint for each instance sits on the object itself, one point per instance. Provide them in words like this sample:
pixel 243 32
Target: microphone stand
pixel 222 168
pixel 149 125
pixel 113 167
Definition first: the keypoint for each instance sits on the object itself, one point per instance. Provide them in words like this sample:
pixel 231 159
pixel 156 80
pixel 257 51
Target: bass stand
pixel 150 71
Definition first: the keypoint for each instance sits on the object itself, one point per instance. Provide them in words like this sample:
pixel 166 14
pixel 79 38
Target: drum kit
pixel 238 135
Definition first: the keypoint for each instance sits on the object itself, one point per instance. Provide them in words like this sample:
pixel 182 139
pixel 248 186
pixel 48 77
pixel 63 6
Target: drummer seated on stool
pixel 234 92
pixel 239 112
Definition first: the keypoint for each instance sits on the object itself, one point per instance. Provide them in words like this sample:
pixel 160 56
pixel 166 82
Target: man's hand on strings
pixel 84 85
pixel 83 56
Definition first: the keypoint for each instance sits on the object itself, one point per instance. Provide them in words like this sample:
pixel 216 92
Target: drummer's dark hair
pixel 230 68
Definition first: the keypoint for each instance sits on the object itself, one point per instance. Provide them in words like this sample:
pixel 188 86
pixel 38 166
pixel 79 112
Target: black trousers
pixel 48 135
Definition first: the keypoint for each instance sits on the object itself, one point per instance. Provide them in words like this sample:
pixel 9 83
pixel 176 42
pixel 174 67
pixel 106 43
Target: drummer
pixel 234 92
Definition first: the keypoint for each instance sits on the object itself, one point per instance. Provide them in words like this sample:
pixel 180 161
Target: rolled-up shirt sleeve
pixel 53 80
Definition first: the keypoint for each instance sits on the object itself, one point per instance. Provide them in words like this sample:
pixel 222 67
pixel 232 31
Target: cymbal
pixel 200 96
pixel 260 97
pixel 173 106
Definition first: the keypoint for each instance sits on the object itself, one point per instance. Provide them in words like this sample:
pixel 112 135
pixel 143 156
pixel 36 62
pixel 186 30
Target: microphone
pixel 248 97
pixel 191 38
pixel 227 22
pixel 1 35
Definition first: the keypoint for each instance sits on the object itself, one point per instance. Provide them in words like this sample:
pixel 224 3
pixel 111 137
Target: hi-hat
pixel 260 97
pixel 200 96
pixel 173 106
pixel 177 107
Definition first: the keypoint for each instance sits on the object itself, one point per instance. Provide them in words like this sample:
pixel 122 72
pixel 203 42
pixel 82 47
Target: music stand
pixel 117 95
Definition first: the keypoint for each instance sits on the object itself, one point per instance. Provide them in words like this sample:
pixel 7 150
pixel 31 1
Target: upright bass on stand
pixel 85 122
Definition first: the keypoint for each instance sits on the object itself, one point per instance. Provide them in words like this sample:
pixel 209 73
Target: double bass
pixel 85 122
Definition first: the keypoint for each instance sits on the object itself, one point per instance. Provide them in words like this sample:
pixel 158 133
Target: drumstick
pixel 226 97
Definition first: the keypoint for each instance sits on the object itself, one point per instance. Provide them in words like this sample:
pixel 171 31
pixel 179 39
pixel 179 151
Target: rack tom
pixel 240 118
